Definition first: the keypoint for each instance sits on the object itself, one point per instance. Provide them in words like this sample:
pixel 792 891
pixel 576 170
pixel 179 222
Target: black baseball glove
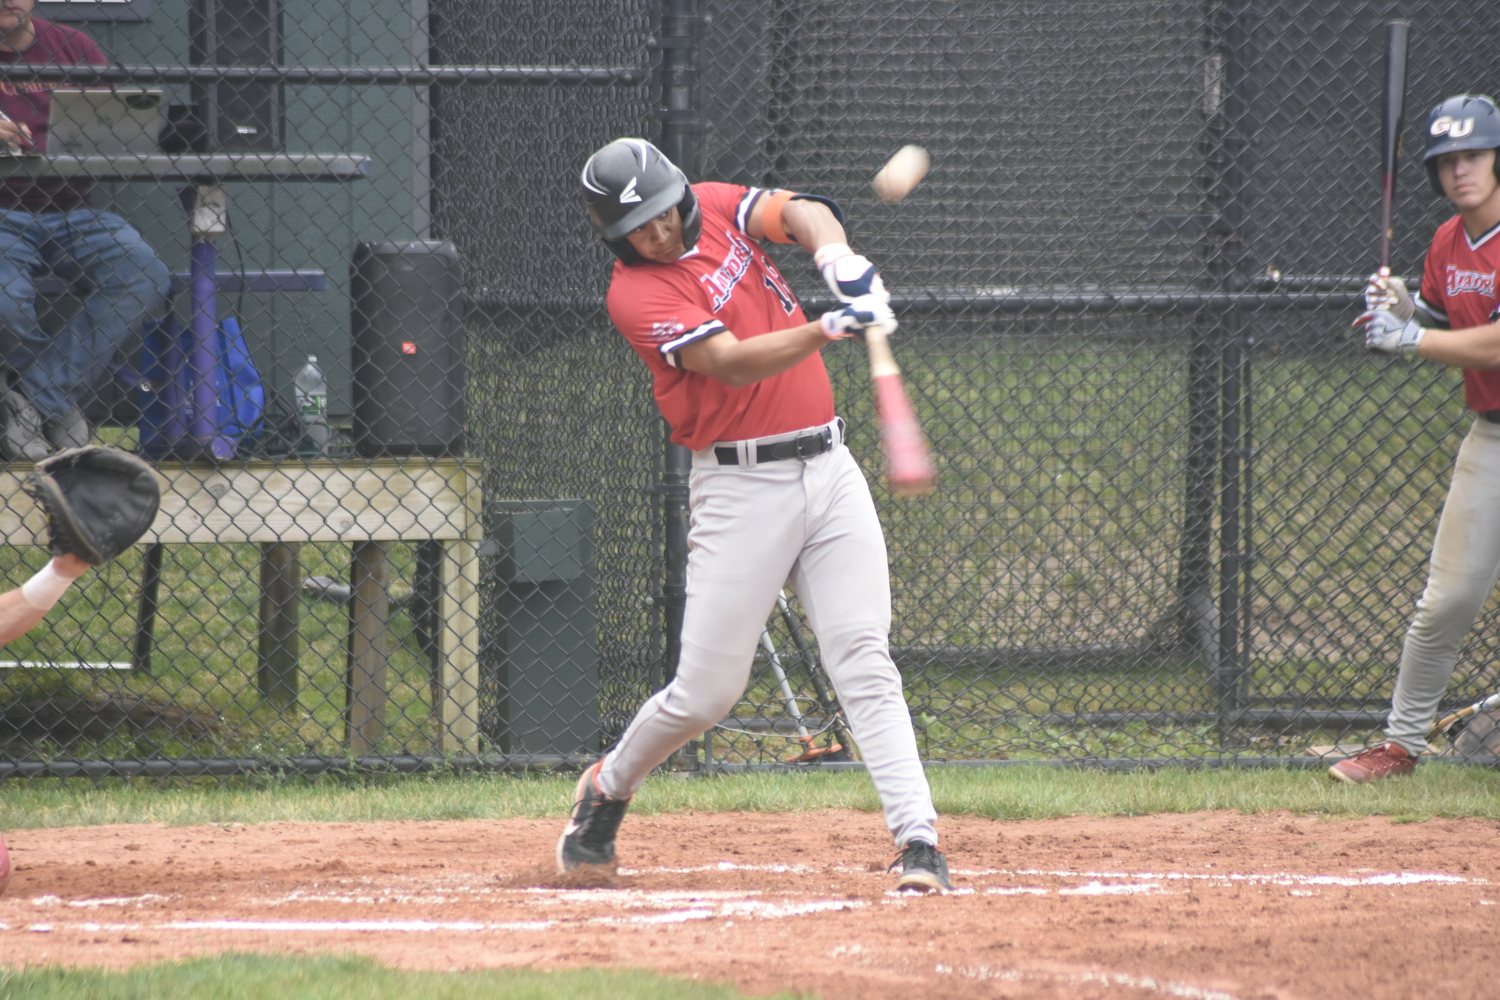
pixel 99 501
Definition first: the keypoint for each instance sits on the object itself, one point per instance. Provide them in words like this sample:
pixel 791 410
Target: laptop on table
pixel 105 122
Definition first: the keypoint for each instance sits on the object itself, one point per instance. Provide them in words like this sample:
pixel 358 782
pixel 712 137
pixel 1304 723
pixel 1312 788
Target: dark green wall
pixel 295 225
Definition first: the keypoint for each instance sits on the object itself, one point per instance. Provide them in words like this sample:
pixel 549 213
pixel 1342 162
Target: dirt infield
pixel 1205 906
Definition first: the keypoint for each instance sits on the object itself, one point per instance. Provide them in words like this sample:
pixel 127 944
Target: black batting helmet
pixel 627 184
pixel 1468 121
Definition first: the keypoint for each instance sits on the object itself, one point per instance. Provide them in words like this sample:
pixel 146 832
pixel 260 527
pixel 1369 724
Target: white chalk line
pixel 1099 883
pixel 1275 878
pixel 677 906
pixel 301 926
pixel 1185 991
pixel 674 906
pixel 735 866
pixel 727 909
pixel 1125 883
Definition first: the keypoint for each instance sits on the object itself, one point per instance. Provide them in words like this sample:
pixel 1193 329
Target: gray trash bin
pixel 540 654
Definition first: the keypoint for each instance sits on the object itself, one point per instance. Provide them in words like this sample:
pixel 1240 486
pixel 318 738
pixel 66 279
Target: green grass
pixel 251 977
pixel 205 655
pixel 1021 792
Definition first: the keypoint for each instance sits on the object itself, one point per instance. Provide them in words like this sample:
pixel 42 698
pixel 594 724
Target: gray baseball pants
pixel 1465 566
pixel 754 527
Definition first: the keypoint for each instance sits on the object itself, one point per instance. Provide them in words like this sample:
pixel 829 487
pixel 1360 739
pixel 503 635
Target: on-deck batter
pixel 775 495
pixel 1452 320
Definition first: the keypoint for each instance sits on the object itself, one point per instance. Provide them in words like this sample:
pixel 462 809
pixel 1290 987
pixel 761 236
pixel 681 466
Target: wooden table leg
pixel 369 615
pixel 457 705
pixel 280 621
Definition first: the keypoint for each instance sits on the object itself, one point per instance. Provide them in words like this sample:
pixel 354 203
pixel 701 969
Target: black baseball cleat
pixel 589 837
pixel 923 869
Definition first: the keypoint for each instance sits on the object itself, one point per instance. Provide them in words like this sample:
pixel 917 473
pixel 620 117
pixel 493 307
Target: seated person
pixel 47 224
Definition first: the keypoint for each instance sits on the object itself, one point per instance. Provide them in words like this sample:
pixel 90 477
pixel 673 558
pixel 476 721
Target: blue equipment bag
pixel 166 407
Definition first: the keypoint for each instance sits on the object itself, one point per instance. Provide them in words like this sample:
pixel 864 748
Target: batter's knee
pixel 697 710
pixel 1445 616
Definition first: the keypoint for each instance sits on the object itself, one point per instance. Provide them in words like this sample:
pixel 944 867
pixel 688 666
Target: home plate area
pixel 1207 905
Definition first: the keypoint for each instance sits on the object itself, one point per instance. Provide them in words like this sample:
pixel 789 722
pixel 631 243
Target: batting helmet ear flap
pixel 623 250
pixel 692 218
pixel 1437 185
pixel 692 228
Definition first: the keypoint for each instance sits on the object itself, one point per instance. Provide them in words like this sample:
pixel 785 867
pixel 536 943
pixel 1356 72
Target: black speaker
pixel 237 117
pixel 407 351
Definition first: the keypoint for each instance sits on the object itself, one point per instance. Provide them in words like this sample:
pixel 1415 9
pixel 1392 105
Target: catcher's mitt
pixel 99 501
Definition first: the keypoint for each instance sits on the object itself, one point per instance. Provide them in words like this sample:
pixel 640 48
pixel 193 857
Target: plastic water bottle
pixel 312 403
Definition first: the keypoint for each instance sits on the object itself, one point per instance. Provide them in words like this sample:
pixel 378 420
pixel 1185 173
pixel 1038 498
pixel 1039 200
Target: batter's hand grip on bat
pixel 909 471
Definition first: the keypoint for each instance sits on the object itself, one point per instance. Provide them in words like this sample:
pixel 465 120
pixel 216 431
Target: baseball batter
pixel 1453 320
pixel 775 495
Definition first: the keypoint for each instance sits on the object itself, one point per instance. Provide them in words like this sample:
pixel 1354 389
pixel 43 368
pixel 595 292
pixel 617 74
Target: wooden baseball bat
pixel 908 464
pixel 1391 116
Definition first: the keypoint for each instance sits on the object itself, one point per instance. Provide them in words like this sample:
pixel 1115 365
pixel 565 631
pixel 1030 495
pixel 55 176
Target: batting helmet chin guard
pixel 1468 121
pixel 627 184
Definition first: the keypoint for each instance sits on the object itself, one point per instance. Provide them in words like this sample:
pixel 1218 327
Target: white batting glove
pixel 848 274
pixel 1389 292
pixel 1388 333
pixel 851 321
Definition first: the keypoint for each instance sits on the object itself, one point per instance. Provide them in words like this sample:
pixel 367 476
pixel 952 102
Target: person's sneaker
pixel 68 431
pixel 923 869
pixel 589 837
pixel 1384 761
pixel 21 440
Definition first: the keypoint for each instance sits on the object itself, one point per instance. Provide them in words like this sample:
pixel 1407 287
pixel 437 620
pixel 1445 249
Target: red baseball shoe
pixel 1384 761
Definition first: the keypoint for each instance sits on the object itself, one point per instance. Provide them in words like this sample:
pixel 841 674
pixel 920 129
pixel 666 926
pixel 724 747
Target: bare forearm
pixel 744 362
pixel 1475 347
pixel 18 615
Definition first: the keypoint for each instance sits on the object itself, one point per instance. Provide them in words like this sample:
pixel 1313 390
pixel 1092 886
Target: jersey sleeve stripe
pixel 742 213
pixel 670 348
pixel 1427 307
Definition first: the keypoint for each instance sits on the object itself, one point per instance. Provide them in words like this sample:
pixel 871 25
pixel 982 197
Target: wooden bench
pixel 366 503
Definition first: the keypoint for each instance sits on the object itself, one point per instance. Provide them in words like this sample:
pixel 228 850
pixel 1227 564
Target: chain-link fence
pixel 1181 513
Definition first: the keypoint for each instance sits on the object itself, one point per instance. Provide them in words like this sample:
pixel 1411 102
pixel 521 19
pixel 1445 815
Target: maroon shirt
pixel 30 104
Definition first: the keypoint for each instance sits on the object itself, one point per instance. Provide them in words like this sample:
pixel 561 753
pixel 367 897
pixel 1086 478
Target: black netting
pixel 1182 512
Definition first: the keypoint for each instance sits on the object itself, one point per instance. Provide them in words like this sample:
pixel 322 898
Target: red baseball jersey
pixel 1458 285
pixel 726 282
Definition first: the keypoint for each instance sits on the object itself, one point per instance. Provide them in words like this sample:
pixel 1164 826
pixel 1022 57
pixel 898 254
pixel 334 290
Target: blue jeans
pixel 124 281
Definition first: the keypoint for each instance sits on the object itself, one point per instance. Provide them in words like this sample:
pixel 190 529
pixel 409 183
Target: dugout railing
pixel 1182 516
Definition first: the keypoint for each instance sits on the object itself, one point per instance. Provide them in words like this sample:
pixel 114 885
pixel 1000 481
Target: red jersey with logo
pixel 1458 286
pixel 726 282
pixel 30 103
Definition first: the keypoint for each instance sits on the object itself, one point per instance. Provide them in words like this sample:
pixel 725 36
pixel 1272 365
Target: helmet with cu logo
pixel 628 183
pixel 1468 121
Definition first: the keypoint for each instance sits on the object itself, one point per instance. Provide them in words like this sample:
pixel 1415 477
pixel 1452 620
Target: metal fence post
pixel 680 126
pixel 1234 411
